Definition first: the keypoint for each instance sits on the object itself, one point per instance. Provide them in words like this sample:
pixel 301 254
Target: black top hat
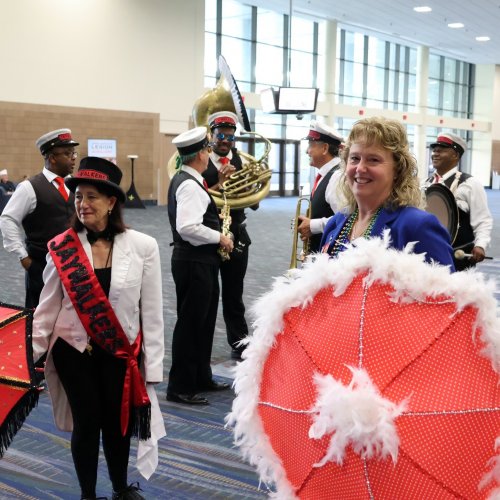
pixel 100 172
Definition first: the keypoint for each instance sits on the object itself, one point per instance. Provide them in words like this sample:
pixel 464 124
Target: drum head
pixel 441 203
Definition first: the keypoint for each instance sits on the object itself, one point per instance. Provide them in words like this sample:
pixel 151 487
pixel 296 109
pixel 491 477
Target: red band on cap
pixel 314 135
pixel 444 139
pixel 64 137
pixel 92 174
pixel 224 119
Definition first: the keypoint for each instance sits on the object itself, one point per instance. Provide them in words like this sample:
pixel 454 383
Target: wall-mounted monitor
pixel 289 100
pixel 297 100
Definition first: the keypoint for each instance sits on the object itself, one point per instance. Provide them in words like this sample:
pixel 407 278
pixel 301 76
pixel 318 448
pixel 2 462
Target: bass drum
pixel 441 202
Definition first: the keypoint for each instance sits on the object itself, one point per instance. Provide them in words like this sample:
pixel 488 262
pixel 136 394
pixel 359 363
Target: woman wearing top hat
pixel 100 318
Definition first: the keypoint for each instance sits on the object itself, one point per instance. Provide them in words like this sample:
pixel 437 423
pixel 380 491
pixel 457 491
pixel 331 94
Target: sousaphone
pixel 252 183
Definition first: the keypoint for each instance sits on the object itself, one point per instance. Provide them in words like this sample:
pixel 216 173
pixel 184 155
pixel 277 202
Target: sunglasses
pixel 220 137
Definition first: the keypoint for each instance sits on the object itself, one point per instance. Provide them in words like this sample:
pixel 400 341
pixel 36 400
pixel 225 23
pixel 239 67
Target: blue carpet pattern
pixel 197 459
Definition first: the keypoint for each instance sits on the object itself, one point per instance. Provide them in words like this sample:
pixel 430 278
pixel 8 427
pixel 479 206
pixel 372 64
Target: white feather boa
pixel 412 279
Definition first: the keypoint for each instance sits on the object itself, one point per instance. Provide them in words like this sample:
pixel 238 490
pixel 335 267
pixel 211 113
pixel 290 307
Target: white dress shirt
pixel 331 196
pixel 192 203
pixel 471 198
pixel 21 204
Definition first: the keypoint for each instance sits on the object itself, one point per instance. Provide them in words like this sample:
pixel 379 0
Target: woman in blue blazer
pixel 381 191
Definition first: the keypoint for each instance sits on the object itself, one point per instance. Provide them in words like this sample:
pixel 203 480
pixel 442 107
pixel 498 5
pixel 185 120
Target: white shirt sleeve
pixel 331 197
pixel 22 203
pixel 471 198
pixel 192 203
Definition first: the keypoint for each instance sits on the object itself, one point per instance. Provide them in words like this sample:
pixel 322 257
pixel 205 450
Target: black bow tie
pixel 93 236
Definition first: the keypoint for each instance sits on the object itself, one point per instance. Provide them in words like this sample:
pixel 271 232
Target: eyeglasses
pixel 229 137
pixel 208 149
pixel 68 154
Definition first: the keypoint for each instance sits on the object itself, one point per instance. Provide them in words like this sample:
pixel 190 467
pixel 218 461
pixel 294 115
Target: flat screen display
pixel 297 99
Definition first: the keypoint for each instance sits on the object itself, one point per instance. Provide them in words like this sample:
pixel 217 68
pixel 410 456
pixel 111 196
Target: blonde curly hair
pixel 390 135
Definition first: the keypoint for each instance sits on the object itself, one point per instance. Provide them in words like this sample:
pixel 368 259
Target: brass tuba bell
pixel 252 183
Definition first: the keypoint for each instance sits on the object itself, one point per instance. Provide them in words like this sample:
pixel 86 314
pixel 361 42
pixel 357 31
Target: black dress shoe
pixel 236 354
pixel 213 385
pixel 187 399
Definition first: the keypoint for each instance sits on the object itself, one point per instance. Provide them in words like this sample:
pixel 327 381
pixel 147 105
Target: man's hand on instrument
pixel 478 254
pixel 225 172
pixel 304 227
pixel 226 243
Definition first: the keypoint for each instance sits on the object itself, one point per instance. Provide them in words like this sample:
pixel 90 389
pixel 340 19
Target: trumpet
pixel 299 256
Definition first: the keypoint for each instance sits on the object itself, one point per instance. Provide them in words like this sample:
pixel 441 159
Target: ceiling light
pixel 482 38
pixel 424 8
pixel 455 25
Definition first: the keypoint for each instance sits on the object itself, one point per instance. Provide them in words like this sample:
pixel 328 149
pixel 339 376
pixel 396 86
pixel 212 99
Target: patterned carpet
pixel 197 458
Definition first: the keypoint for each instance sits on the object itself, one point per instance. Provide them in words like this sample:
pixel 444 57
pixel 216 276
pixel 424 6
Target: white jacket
pixel 136 297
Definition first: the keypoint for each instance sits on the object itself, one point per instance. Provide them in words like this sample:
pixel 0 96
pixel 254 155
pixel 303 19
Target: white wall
pixel 134 55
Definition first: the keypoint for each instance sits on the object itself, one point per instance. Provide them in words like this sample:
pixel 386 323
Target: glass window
pixel 302 34
pixel 237 53
pixel 450 69
pixel 376 86
pixel 210 16
pixel 354 47
pixel 376 51
pixel 210 54
pixel 434 66
pixel 269 27
pixel 301 74
pixel 236 19
pixel 269 65
pixel 433 94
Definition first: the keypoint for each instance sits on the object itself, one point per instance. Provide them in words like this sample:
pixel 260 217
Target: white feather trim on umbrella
pixel 407 272
pixel 356 415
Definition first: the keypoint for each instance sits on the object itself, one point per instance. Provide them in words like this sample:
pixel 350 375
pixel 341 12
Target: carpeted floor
pixel 197 458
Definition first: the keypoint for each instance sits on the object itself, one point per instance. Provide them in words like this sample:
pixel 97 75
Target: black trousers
pixel 93 384
pixel 197 290
pixel 232 273
pixel 34 282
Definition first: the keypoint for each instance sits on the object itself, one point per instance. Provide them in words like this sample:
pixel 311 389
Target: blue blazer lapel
pixel 385 219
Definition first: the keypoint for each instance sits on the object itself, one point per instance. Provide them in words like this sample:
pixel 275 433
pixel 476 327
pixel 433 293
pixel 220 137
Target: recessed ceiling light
pixel 455 25
pixel 424 8
pixel 482 38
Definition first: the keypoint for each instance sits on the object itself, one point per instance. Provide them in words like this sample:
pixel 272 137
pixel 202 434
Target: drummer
pixel 474 218
pixel 380 185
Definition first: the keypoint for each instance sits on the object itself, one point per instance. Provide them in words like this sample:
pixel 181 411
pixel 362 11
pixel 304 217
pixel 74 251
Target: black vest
pixel 320 208
pixel 50 217
pixel 465 235
pixel 183 250
pixel 211 175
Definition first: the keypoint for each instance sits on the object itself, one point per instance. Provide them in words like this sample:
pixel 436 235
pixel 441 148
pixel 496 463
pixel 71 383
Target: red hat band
pixel 92 174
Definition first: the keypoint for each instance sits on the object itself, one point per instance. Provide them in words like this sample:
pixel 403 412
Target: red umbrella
pixel 19 382
pixel 373 375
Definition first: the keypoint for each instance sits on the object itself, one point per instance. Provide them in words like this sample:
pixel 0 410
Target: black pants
pixel 93 384
pixel 197 290
pixel 232 273
pixel 34 282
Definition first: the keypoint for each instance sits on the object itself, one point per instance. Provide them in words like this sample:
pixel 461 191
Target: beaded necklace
pixel 344 235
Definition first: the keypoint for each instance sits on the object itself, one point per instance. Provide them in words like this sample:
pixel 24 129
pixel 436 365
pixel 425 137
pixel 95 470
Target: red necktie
pixel 224 160
pixel 205 184
pixel 437 178
pixel 316 181
pixel 61 188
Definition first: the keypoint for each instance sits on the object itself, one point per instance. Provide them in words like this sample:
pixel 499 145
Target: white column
pixel 420 146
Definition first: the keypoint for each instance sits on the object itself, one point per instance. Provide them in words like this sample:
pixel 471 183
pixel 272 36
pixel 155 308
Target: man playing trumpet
pixel 323 150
